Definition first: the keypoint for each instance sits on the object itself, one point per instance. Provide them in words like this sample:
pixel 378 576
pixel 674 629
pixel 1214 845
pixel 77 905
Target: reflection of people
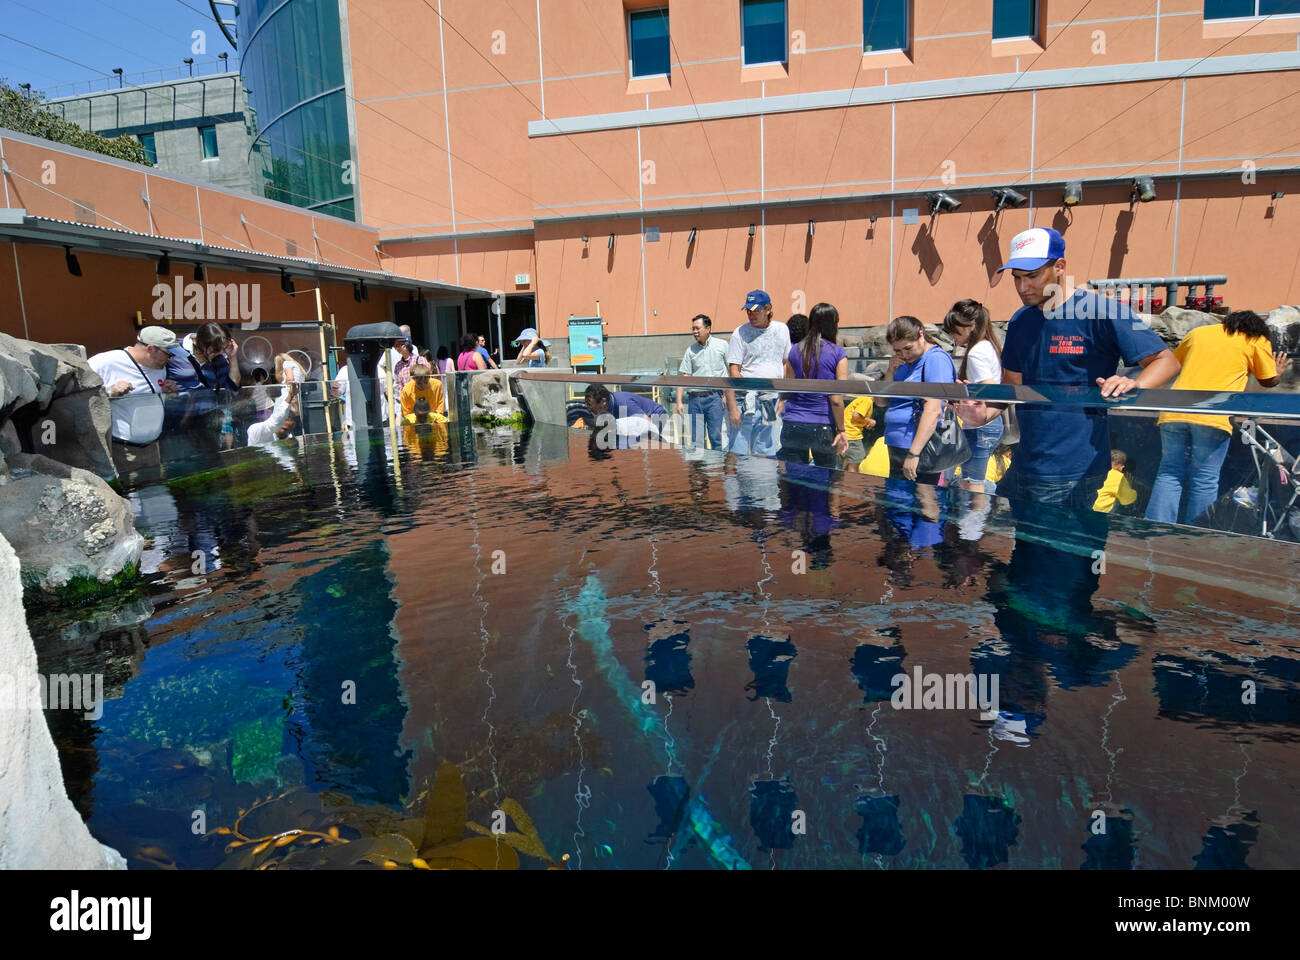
pixel 429 438
pixel 810 505
pixel 813 423
pixel 1220 357
pixel 280 423
pixel 758 348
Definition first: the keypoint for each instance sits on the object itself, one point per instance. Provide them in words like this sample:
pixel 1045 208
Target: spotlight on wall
pixel 286 282
pixel 1278 195
pixel 356 292
pixel 872 219
pixel 199 275
pixel 812 228
pixel 942 201
pixel 751 229
pixel 1144 189
pixel 70 258
pixel 164 264
pixel 1073 194
pixel 365 293
pixel 691 238
pixel 1006 197
pixel 585 238
pixel 611 242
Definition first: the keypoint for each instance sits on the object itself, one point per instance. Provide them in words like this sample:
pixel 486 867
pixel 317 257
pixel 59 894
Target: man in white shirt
pixel 758 348
pixel 139 368
pixel 279 424
pixel 136 378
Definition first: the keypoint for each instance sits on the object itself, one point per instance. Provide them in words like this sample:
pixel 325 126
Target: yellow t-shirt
pixel 1214 359
pixel 1115 488
pixel 860 406
pixel 412 392
pixel 877 462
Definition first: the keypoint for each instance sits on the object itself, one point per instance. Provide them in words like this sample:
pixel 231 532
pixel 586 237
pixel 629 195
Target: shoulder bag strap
pixel 147 382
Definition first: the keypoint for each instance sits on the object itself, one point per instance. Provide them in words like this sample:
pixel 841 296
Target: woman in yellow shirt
pixel 1219 357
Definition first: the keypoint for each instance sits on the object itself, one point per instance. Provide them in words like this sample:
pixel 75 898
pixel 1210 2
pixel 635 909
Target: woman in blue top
pixel 909 424
pixel 813 423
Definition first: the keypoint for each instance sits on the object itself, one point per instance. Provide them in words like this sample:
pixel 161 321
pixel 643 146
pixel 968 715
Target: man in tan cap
pixel 139 368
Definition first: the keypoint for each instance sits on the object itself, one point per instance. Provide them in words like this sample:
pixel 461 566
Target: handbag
pixel 947 446
pixel 138 415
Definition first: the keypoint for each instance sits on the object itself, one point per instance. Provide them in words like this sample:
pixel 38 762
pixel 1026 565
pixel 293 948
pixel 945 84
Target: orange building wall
pixel 494 81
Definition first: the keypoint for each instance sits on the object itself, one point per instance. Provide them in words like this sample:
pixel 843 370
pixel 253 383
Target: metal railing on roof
pixel 108 84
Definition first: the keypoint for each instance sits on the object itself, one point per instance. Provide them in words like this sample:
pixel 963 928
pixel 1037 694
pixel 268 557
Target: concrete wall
pixel 173 112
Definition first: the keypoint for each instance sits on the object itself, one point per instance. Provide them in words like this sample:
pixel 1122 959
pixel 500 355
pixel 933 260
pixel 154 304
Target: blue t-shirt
pixel 812 407
pixel 1083 339
pixel 933 366
pixel 634 404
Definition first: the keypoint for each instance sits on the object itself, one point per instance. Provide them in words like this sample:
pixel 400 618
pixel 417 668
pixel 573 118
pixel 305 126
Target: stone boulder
pixel 1176 323
pixel 65 522
pixel 52 403
pixel 40 829
pixel 490 396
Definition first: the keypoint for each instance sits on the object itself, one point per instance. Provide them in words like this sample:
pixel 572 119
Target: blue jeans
pixel 1191 454
pixel 705 411
pixel 983 441
pixel 756 434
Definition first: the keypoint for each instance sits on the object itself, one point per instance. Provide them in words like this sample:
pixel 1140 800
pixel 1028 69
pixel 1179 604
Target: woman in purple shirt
pixel 813 423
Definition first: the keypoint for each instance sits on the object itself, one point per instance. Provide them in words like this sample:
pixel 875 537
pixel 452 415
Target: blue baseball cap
pixel 756 299
pixel 1034 248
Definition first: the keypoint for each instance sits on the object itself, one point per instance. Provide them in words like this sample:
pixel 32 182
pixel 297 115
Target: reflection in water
pixel 236 682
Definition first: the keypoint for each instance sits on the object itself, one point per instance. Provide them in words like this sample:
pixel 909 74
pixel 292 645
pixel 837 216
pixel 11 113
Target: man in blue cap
pixel 1066 337
pixel 758 348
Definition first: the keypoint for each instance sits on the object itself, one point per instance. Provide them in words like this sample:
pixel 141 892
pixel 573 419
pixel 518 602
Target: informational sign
pixel 586 342
pixel 651 234
pixel 521 279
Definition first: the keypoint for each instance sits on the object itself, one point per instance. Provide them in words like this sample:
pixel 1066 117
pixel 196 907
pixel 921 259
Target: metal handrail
pixel 1285 406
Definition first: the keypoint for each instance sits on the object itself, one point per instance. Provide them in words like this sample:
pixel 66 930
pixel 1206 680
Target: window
pixel 150 150
pixel 884 25
pixel 647 42
pixel 209 137
pixel 1239 9
pixel 762 32
pixel 1015 19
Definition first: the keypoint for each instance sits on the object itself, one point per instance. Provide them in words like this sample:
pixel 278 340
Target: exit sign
pixel 521 279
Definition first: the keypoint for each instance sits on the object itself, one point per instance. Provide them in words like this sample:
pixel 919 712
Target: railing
pixel 108 84
pixel 1141 292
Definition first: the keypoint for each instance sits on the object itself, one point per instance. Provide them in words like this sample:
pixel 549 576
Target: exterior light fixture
pixel 691 238
pixel 164 264
pixel 286 281
pixel 1006 197
pixel 812 228
pixel 365 294
pixel 1278 195
pixel 199 275
pixel 942 201
pixel 356 293
pixel 70 258
pixel 1144 190
pixel 1073 194
pixel 751 229
pixel 585 238
pixel 611 241
pixel 189 62
pixel 118 71
pixel 873 218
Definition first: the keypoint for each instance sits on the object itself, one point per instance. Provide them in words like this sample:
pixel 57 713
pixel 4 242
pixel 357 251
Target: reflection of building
pixel 292 61
pixel 193 127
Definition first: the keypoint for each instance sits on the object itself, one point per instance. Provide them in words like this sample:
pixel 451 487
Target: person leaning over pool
pixel 909 424
pixel 1066 337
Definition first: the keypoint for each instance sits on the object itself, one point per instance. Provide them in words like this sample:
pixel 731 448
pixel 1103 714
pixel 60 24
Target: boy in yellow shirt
pixel 857 418
pixel 423 385
pixel 1116 486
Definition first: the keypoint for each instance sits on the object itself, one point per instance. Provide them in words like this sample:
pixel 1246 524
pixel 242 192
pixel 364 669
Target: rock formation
pixel 39 826
pixel 56 510
pixel 490 396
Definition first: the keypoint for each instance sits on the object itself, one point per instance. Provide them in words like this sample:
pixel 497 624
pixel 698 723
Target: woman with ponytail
pixel 813 423
pixel 969 325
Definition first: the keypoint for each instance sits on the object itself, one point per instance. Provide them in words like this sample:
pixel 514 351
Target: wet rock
pixel 490 396
pixel 65 523
pixel 39 827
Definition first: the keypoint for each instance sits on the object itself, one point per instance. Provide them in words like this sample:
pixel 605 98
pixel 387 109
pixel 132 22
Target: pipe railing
pixel 1145 287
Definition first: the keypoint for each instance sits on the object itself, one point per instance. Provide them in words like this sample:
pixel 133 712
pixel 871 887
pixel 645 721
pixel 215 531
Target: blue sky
pixel 136 35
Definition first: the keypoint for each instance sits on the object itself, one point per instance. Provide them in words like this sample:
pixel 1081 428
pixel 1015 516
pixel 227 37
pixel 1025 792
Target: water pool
pixel 679 661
